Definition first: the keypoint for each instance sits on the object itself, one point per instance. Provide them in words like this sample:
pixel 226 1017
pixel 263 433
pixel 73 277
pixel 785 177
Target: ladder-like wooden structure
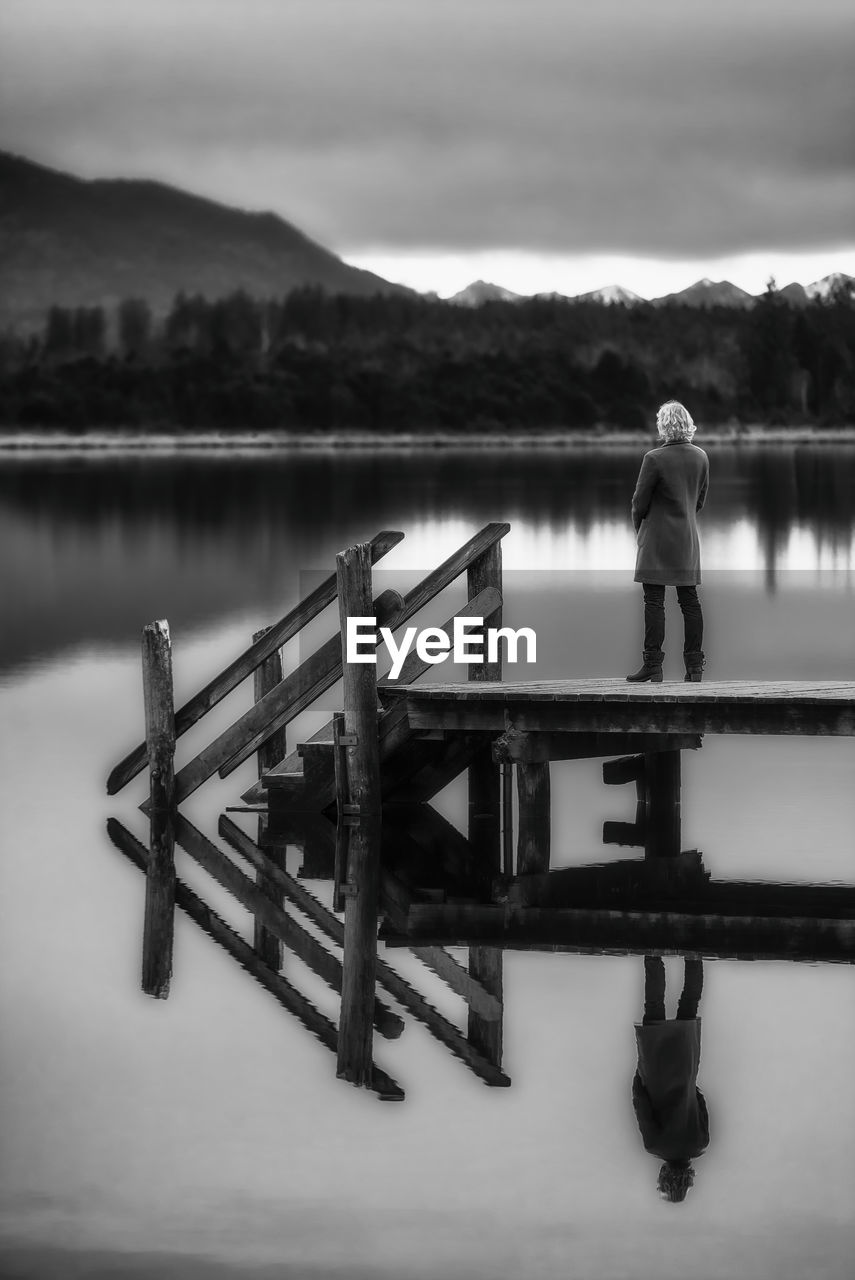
pixel 300 800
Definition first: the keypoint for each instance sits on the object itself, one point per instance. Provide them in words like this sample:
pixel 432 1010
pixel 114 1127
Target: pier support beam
pixel 267 677
pixel 533 794
pixel 361 883
pixel 662 819
pixel 485 809
pixel 160 749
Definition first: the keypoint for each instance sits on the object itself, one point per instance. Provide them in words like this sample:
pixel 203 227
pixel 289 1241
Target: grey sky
pixel 662 128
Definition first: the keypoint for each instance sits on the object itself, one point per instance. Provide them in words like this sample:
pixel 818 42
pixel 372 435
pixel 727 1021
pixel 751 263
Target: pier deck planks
pixel 611 705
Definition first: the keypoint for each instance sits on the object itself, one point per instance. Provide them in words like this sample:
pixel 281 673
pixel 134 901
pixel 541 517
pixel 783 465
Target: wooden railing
pixel 244 665
pixel 278 701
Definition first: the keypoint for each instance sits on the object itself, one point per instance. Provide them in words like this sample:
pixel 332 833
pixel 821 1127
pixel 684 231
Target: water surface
pixel 143 1136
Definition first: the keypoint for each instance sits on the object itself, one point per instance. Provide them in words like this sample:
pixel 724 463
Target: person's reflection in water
pixel 669 1107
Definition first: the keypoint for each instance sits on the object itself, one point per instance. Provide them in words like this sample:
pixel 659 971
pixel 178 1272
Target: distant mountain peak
pixel 824 287
pixel 483 291
pixel 710 293
pixel 611 294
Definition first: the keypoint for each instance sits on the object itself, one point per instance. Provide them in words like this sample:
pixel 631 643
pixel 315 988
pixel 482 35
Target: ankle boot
pixel 651 669
pixel 695 663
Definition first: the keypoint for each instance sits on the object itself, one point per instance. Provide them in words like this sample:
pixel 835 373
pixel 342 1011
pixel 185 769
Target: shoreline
pixel 307 442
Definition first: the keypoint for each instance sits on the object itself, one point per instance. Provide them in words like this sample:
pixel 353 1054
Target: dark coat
pixel 671 489
pixel 670 1108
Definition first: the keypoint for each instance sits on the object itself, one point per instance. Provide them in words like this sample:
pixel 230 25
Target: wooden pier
pixel 355 800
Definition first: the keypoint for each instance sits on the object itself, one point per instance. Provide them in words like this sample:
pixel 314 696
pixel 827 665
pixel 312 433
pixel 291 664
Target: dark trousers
pixel 654 620
pixel 654 990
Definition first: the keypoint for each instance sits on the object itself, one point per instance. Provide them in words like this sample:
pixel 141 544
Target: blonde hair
pixel 674 422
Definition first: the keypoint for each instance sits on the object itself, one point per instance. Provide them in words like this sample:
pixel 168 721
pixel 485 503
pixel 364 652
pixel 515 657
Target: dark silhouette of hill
pixel 67 241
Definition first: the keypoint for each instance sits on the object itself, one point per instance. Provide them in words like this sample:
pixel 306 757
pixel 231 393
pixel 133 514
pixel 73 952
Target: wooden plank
pixel 574 716
pixel 806 691
pixel 386 609
pixel 266 677
pixel 244 665
pixel 637 932
pixel 625 882
pixel 390 979
pixel 533 747
pixel 160 749
pixel 342 831
pixel 535 818
pixel 396 899
pixel 287 995
pixel 663 884
pixel 485 809
pixel 296 939
pixel 355 1032
pixel 484 605
pixel 277 708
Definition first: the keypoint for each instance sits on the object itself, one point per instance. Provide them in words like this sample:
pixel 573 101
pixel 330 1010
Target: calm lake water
pixel 207 1135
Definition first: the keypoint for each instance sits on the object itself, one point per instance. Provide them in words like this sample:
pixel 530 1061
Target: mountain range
pixel 75 242
pixel 703 293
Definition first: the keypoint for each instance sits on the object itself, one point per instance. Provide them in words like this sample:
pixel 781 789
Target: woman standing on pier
pixel 671 490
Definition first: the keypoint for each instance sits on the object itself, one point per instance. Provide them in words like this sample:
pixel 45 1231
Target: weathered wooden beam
pixel 406 995
pixel 681 884
pixel 631 716
pixel 353 567
pixel 628 880
pixel 535 818
pixel 243 666
pixel 158 925
pixel 266 677
pixel 216 928
pixel 596 930
pixel 485 809
pixel 277 708
pixel 296 939
pixel 532 747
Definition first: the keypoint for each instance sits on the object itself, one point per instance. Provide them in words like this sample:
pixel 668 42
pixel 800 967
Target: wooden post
pixel 507 788
pixel 534 818
pixel 342 830
pixel 485 803
pixel 267 677
pixel 160 748
pixel 362 888
pixel 662 822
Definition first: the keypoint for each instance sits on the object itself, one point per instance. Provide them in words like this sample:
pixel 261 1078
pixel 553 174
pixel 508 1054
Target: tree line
pixel 318 362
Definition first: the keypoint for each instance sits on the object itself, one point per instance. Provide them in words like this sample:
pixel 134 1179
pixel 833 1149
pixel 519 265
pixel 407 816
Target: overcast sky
pixel 449 137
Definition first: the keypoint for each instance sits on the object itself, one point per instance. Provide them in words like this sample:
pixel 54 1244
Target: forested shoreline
pixel 314 362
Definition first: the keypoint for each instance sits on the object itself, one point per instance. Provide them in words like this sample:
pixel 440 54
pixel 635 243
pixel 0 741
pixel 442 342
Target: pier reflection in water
pixel 356 798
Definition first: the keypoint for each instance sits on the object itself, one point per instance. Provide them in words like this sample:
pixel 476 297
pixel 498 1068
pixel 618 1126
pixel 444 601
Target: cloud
pixel 557 127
